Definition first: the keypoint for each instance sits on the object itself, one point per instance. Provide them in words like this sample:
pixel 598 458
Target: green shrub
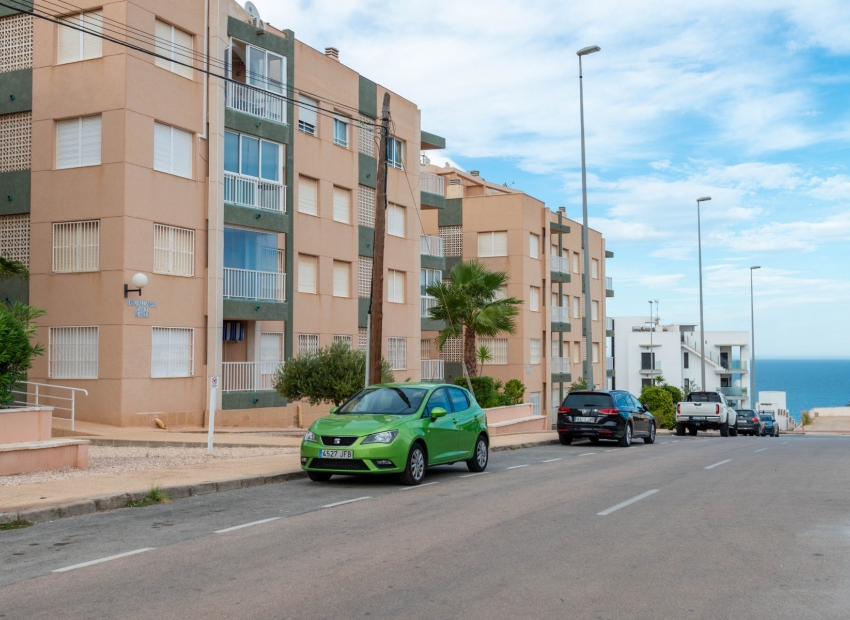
pixel 514 391
pixel 675 393
pixel 578 384
pixel 807 418
pixel 483 388
pixel 660 404
pixel 16 351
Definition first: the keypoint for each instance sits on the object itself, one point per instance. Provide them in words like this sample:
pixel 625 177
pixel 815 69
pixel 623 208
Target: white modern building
pixel 644 349
pixel 775 403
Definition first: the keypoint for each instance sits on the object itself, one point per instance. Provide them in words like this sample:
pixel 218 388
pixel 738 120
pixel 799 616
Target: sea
pixel 807 383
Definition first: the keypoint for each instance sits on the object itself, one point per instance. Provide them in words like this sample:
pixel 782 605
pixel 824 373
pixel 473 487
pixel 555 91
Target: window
pixel 397 353
pixel 173 250
pixel 395 220
pixel 493 243
pixel 498 348
pixel 364 276
pixel 501 293
pixel 567 351
pixel 645 383
pixel 687 384
pixel 252 157
pixel 252 250
pixel 308 343
pixel 366 206
pixel 175 45
pixel 425 349
pixel 308 196
pixel 395 287
pixel 594 310
pixel 576 310
pixel 535 346
pixel 577 352
pixel 395 153
pixel 594 268
pixel 686 362
pixel 72 352
pixel 172 150
pixel 575 262
pixel 78 142
pixel 534 245
pixel 342 277
pixel 172 352
pixel 647 361
pixel 343 338
pixel 76 246
pixel 308 267
pixel 271 346
pixel 534 299
pixel 73 44
pixel 534 398
pixel 595 352
pixel 556 397
pixel 266 70
pixel 341 131
pixel 460 402
pixel 342 205
pixel 427 277
pixel 307 114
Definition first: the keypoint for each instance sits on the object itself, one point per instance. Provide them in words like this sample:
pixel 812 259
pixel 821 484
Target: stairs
pixel 27 445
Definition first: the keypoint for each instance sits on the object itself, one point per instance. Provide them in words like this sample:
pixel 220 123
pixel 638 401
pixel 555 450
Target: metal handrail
pixel 38 395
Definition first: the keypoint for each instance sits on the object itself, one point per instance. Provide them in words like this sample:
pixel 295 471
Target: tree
pixel 578 384
pixel 483 355
pixel 467 303
pixel 11 268
pixel 692 386
pixel 333 375
pixel 17 328
pixel 660 404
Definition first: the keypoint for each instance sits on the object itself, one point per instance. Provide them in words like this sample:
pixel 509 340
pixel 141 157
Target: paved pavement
pixel 698 528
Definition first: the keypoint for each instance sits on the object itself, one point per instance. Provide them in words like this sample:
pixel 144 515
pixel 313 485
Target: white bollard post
pixel 213 389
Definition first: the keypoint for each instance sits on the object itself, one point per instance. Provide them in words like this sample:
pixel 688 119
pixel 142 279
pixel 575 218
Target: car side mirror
pixel 438 412
pixel 645 408
pixel 334 409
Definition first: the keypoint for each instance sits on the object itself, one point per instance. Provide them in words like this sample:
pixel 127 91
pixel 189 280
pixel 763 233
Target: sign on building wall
pixel 142 308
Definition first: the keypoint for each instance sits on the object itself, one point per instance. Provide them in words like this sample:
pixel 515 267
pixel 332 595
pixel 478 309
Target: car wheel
pixel 626 440
pixel 478 462
pixel 680 429
pixel 651 438
pixel 724 429
pixel 733 431
pixel 692 431
pixel 318 476
pixel 565 441
pixel 594 440
pixel 414 472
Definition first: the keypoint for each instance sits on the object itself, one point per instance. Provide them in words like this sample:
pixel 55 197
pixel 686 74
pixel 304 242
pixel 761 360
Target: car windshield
pixel 745 412
pixel 578 401
pixel 704 397
pixel 767 417
pixel 385 401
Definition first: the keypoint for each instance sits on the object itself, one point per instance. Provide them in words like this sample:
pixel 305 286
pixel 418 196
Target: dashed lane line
pixel 517 466
pixel 553 460
pixel 760 450
pixel 628 502
pixel 587 453
pixel 427 484
pixel 106 559
pixel 252 523
pixel 480 473
pixel 718 464
pixel 348 501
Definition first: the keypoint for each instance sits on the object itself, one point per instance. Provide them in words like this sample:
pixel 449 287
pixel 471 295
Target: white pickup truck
pixel 706 410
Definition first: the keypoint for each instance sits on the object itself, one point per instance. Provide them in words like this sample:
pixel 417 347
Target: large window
pixel 498 348
pixel 250 250
pixel 73 44
pixel 76 246
pixel 252 157
pixel 594 268
pixel 535 345
pixel 308 196
pixel 534 299
pixel 308 268
pixel 533 245
pixel 493 243
pixel 73 352
pixel 308 343
pixel 428 277
pixel 341 131
pixel 174 49
pixel 258 81
pixel 342 279
pixel 395 153
pixel 173 250
pixel 342 205
pixel 271 346
pixel 395 220
pixel 395 287
pixel 594 310
pixel 172 150
pixel 308 118
pixel 397 353
pixel 172 352
pixel 78 142
pixel 576 310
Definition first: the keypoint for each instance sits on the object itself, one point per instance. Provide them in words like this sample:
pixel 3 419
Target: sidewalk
pixel 46 501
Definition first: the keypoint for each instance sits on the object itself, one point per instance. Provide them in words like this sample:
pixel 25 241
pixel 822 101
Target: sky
pixel 746 102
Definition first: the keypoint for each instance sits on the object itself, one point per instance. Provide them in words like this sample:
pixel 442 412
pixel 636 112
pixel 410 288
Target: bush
pixel 16 351
pixel 675 393
pixel 660 404
pixel 514 391
pixel 483 388
pixel 578 384
pixel 807 418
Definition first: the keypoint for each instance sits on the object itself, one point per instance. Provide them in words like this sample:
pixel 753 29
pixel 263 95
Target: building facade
pixel 645 351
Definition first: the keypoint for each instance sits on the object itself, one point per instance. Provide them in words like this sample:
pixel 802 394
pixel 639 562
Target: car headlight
pixel 382 437
pixel 311 436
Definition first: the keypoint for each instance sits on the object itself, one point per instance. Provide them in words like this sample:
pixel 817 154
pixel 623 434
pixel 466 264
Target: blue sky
pixel 743 102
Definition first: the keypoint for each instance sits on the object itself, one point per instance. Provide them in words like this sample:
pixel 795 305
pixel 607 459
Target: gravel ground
pixel 114 460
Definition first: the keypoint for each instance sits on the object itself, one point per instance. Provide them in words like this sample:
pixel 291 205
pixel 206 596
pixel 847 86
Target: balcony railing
pixel 254 285
pixel 432 183
pixel 248 376
pixel 733 391
pixel 560 365
pixel 425 304
pixel 609 361
pixel 560 264
pixel 432 370
pixel 609 323
pixel 560 314
pixel 651 367
pixel 255 102
pixel 609 284
pixel 254 193
pixel 431 246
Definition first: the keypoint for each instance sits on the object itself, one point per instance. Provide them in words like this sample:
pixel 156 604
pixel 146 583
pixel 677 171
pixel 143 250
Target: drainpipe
pixel 204 125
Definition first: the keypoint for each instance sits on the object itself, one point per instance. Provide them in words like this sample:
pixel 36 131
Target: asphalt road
pixel 750 528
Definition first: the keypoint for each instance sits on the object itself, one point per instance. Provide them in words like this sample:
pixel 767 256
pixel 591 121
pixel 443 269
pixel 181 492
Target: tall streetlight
pixel 701 322
pixel 588 324
pixel 651 350
pixel 754 395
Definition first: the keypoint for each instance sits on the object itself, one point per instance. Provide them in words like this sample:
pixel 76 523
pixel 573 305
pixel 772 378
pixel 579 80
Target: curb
pixel 153 443
pixel 531 444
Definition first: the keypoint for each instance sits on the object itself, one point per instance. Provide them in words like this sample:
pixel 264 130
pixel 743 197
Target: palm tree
pixel 467 303
pixel 483 355
pixel 11 268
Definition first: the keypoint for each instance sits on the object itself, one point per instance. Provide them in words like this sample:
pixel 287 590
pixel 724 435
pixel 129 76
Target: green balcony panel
pixel 15 192
pixel 256 310
pixel 432 201
pixel 430 141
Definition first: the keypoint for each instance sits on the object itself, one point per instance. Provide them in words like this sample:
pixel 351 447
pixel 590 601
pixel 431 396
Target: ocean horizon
pixel 808 383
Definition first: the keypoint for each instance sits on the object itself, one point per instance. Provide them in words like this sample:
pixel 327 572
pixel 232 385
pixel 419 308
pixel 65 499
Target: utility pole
pixel 376 303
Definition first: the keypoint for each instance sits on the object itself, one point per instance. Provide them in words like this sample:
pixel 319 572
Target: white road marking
pixel 427 484
pixel 587 453
pixel 239 527
pixel 760 450
pixel 783 443
pixel 553 460
pixel 348 501
pixel 111 557
pixel 480 473
pixel 718 464
pixel 517 466
pixel 636 498
pixel 674 441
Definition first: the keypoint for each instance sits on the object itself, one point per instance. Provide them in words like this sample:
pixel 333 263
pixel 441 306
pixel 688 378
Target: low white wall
pixel 828 411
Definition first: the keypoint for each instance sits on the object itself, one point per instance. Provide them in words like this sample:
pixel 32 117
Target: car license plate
pixel 697 417
pixel 584 419
pixel 336 454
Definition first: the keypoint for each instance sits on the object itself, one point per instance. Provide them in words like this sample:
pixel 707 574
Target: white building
pixel 774 402
pixel 643 349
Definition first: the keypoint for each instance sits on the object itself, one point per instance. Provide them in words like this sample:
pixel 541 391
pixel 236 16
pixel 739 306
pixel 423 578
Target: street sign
pixel 214 382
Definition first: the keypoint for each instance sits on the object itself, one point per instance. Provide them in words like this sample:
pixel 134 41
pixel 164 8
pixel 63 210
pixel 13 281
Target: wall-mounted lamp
pixel 256 216
pixel 12 97
pixel 139 280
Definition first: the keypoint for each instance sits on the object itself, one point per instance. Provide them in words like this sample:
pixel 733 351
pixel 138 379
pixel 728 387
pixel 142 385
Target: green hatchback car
pixel 399 428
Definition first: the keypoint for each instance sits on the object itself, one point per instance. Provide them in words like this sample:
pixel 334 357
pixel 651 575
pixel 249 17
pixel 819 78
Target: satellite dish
pixel 255 14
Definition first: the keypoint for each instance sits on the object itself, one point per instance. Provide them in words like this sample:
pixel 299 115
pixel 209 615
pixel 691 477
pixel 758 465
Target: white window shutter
pixel 90 141
pixel 534 246
pixel 500 243
pixel 183 48
pixel 92 45
pixel 534 299
pixel 162 46
pixel 68 143
pixel 307 268
pixel 182 143
pixel 68 41
pixel 307 112
pixel 341 279
pixel 485 244
pixel 308 193
pixel 161 147
pixel 342 205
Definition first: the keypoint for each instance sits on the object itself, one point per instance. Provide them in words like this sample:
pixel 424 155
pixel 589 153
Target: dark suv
pixel 749 422
pixel 771 428
pixel 604 414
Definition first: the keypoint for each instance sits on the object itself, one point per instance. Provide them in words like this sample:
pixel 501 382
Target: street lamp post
pixel 651 350
pixel 701 320
pixel 754 395
pixel 588 324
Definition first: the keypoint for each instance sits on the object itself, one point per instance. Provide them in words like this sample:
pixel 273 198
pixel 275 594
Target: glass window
pixel 385 400
pixel 340 133
pixel 428 277
pixel 395 153
pixel 438 399
pixel 270 161
pixel 250 156
pixel 249 249
pixel 256 67
pixel 580 400
pixel 275 75
pixel 231 152
pixel 459 400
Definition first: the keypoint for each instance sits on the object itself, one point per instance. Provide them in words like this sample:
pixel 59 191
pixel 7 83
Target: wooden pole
pixel 376 305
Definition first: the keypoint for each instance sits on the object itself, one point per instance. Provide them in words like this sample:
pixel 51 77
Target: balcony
pixel 733 391
pixel 561 315
pixel 650 369
pixel 609 366
pixel 560 264
pixel 431 246
pixel 248 376
pixel 732 366
pixel 560 365
pixel 254 193
pixel 254 285
pixel 609 287
pixel 255 102
pixel 609 326
pixel 432 183
pixel 432 370
pixel 425 304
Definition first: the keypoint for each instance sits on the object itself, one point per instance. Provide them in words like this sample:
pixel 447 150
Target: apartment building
pixel 644 349
pixel 243 208
pixel 541 251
